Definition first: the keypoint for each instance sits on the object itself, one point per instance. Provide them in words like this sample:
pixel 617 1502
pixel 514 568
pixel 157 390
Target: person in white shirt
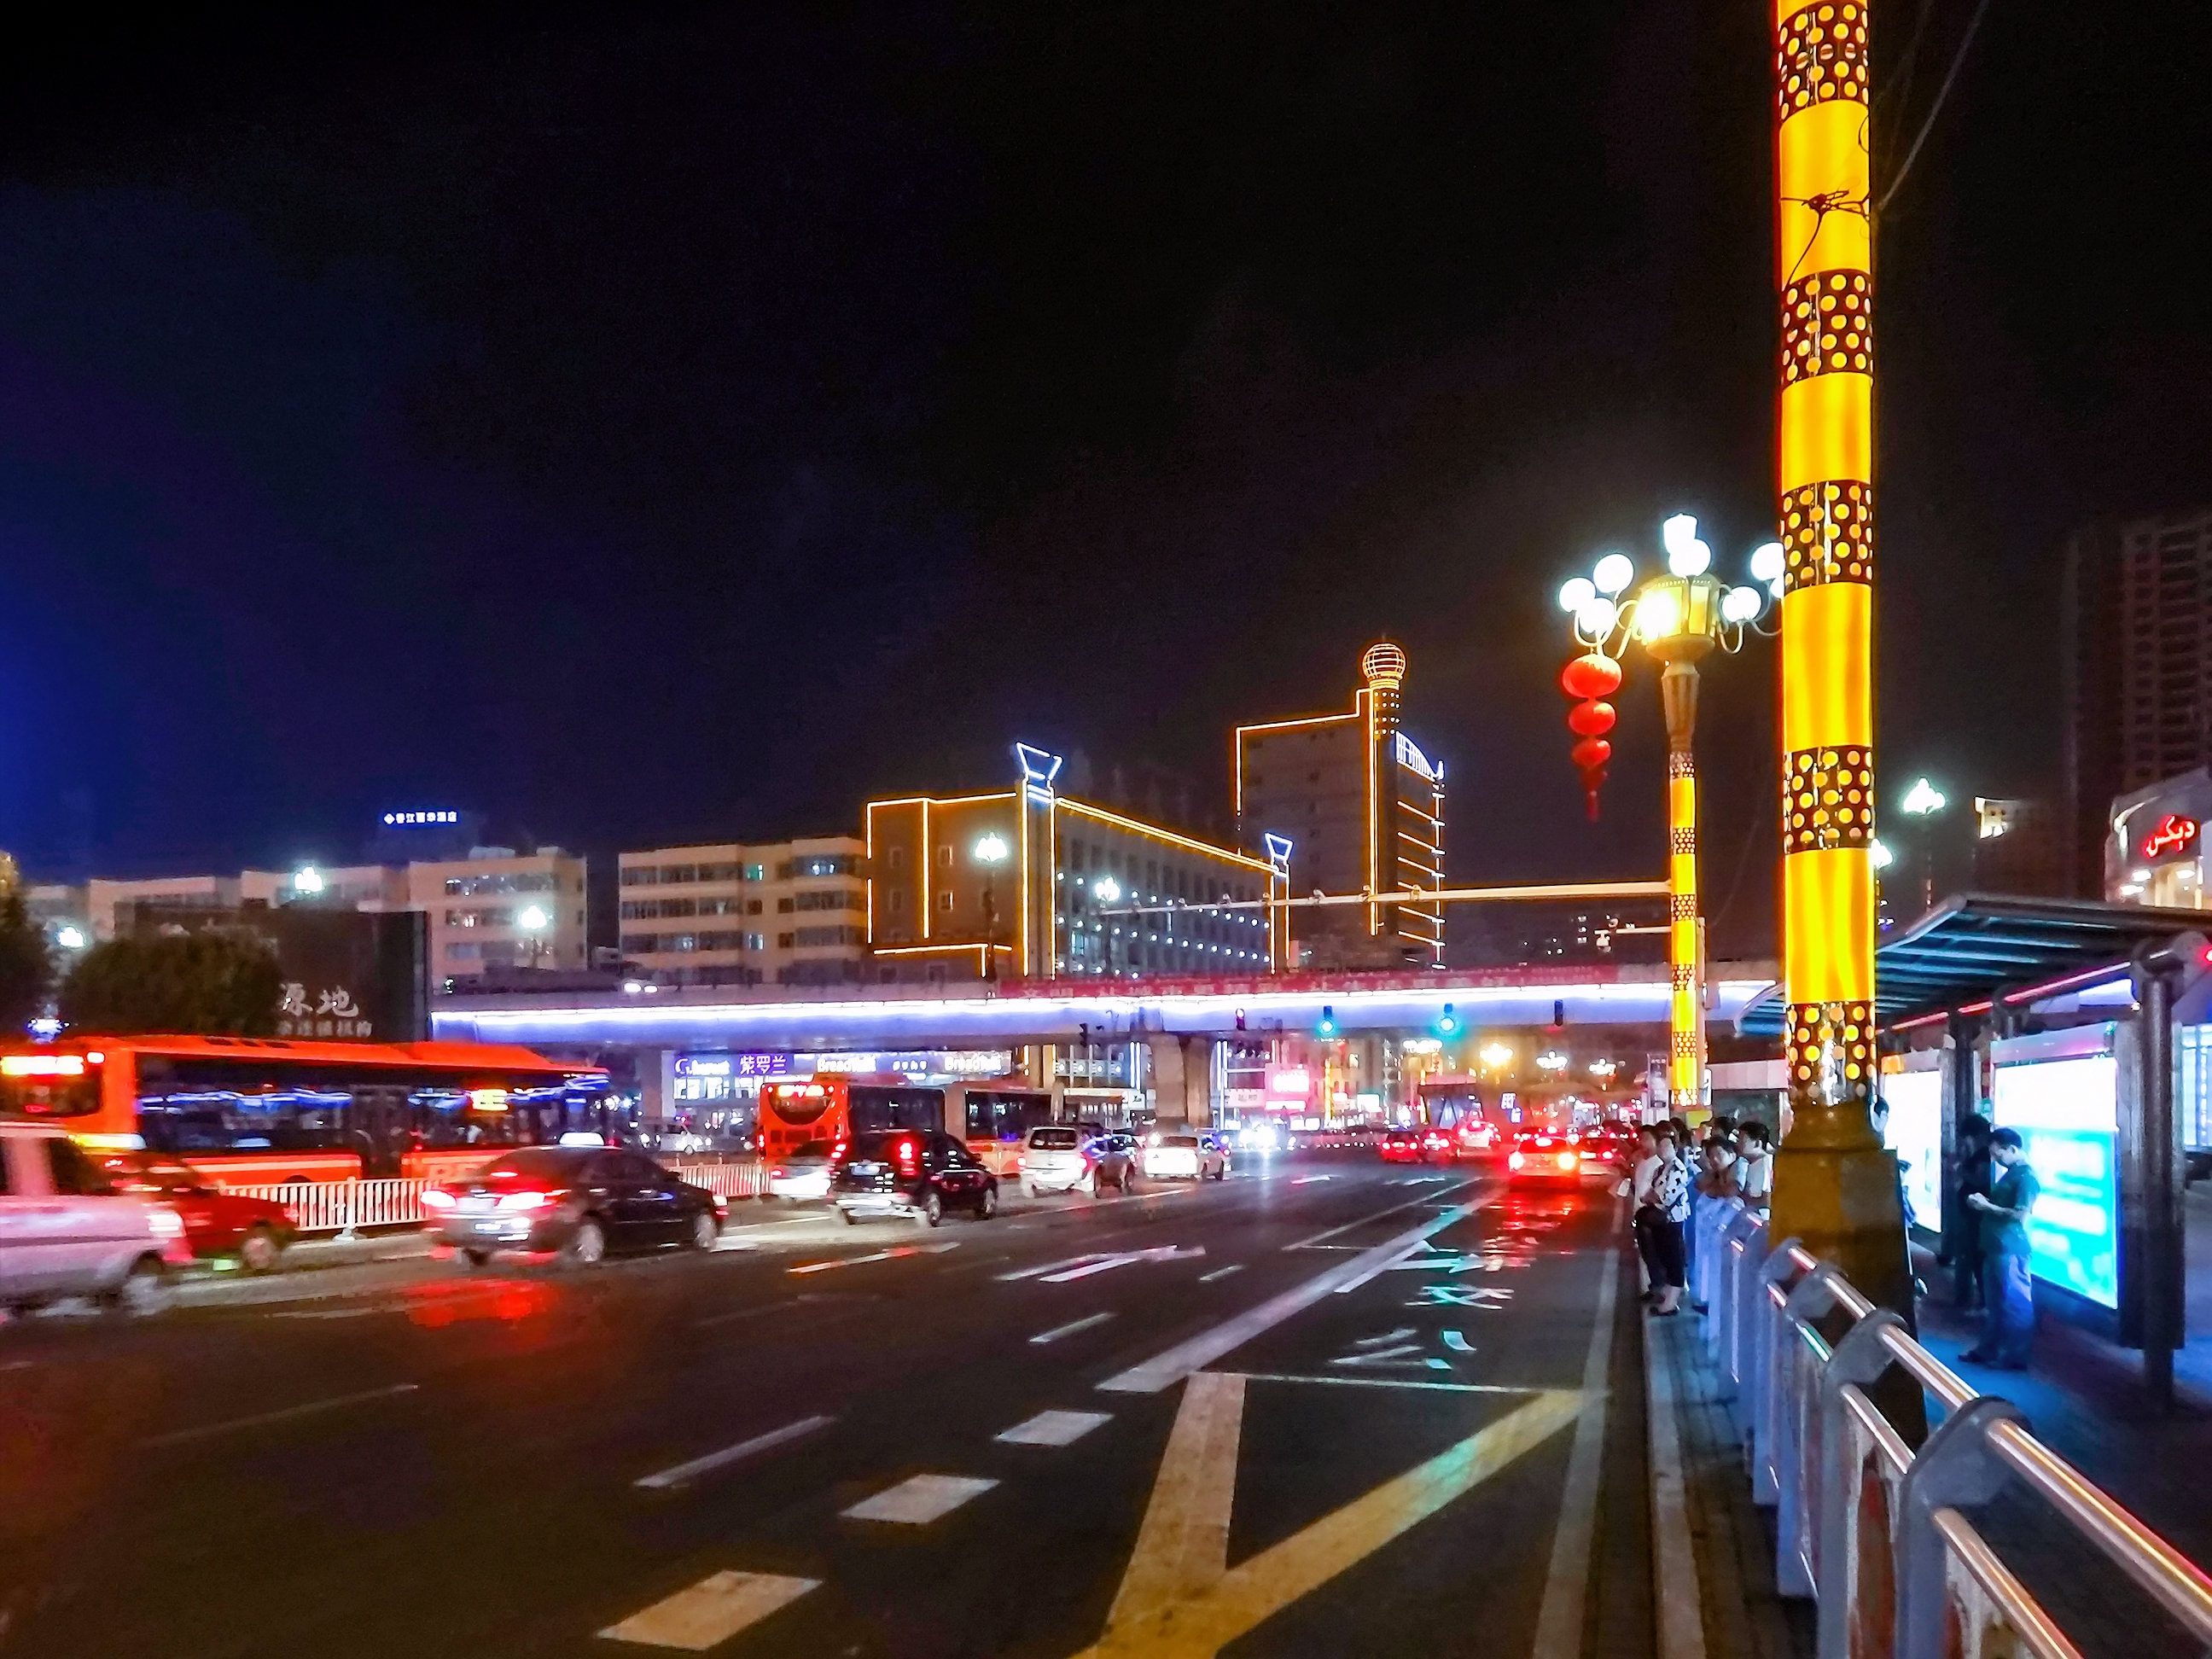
pixel 1754 1165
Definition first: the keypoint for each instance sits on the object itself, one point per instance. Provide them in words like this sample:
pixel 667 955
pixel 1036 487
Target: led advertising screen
pixel 1915 1135
pixel 2066 1111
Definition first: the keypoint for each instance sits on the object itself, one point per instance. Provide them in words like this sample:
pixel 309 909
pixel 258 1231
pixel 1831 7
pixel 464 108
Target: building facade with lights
pixel 776 913
pixel 2155 843
pixel 1027 883
pixel 1363 807
pixel 499 909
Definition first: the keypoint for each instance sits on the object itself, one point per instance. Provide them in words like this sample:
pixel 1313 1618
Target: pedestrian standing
pixel 1962 1250
pixel 1754 1165
pixel 2007 1289
pixel 1639 1189
pixel 1668 1201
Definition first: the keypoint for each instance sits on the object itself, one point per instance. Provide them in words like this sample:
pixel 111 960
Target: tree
pixel 27 971
pixel 211 981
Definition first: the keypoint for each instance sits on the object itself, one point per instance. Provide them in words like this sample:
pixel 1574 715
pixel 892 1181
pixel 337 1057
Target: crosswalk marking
pixel 920 1499
pixel 1053 1428
pixel 711 1612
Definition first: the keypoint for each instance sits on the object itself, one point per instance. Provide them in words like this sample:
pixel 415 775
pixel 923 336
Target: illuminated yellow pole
pixel 1835 1189
pixel 1678 690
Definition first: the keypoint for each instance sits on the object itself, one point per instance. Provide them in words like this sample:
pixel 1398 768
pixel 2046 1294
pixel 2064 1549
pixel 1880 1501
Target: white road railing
pixel 345 1207
pixel 1870 1527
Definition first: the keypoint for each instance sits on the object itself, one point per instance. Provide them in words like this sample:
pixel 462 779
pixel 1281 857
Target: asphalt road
pixel 1320 1409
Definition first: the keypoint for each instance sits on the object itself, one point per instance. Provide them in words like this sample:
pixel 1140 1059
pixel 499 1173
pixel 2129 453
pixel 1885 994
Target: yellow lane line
pixel 1182 1548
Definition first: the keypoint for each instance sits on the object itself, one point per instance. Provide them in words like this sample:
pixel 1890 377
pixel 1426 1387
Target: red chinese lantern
pixel 1593 674
pixel 1590 755
pixel 1591 720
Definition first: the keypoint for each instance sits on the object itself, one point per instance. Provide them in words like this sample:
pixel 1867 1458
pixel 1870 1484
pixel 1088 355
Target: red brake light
pixel 1515 1161
pixel 1568 1160
pixel 437 1197
pixel 906 1157
pixel 531 1199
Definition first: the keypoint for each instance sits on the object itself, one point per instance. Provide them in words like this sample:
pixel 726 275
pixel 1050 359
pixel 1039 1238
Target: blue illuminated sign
pixel 2066 1113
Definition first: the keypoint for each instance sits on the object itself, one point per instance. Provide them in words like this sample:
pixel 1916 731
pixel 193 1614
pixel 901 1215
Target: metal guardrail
pixel 1867 1526
pixel 344 1207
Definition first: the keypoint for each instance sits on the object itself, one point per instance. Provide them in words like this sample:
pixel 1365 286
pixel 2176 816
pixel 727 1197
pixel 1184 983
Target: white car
pixel 803 1177
pixel 64 1231
pixel 1185 1157
pixel 1053 1159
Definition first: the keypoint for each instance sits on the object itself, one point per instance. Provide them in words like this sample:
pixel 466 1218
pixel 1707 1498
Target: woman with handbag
pixel 1662 1209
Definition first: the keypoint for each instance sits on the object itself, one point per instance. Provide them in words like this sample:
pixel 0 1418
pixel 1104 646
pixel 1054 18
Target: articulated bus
pixel 246 1110
pixel 990 1115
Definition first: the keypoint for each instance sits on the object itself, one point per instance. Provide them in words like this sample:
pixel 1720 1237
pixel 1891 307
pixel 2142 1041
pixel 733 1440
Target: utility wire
pixel 1950 75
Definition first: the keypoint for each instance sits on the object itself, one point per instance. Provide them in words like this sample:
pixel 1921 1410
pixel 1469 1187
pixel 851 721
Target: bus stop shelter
pixel 1997 978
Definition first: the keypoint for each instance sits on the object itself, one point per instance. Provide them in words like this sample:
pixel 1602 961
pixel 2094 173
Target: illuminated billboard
pixel 2066 1110
pixel 1915 1135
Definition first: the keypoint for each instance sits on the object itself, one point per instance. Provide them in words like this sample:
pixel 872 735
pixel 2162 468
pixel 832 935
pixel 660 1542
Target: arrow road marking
pixel 1457 1343
pixel 1122 1259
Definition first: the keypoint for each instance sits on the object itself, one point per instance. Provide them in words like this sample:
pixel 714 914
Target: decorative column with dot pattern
pixel 1835 1188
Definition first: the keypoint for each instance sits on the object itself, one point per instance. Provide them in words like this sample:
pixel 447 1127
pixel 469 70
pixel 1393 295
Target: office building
pixel 1363 808
pixel 1028 882
pixel 778 913
pixel 2137 674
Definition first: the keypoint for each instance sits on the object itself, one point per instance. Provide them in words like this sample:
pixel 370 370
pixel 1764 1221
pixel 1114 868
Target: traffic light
pixel 1448 1023
pixel 1327 1026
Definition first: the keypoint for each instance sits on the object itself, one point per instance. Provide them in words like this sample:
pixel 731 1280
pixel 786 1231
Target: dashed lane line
pixel 1221 1272
pixel 683 1474
pixel 261 1419
pixel 920 1499
pixel 1391 1383
pixel 711 1612
pixel 892 1255
pixel 1053 1428
pixel 1059 1331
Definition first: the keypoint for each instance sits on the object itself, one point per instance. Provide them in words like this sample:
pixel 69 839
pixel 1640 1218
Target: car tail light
pixel 166 1223
pixel 531 1199
pixel 775 1175
pixel 437 1197
pixel 1515 1161
pixel 907 1159
pixel 1568 1160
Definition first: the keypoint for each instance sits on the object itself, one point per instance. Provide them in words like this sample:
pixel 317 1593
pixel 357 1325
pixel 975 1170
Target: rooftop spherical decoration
pixel 1383 663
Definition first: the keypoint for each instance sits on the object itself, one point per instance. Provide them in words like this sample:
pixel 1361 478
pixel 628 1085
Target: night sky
pixel 645 431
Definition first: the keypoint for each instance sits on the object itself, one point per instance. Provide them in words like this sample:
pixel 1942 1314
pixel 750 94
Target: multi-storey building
pixel 1363 807
pixel 783 912
pixel 2137 604
pixel 1028 882
pixel 498 907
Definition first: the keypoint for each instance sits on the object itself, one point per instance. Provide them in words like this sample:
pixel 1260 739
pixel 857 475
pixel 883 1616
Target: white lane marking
pixel 919 1500
pixel 1390 1382
pixel 736 1314
pixel 1566 1584
pixel 1398 1335
pixel 1165 1370
pixel 1405 1353
pixel 711 1612
pixel 1221 1272
pixel 178 1436
pixel 683 1474
pixel 1122 1259
pixel 1053 1428
pixel 1059 1331
pixel 18 1365
pixel 1424 1197
pixel 892 1255
pixel 1308 1181
pixel 1050 1267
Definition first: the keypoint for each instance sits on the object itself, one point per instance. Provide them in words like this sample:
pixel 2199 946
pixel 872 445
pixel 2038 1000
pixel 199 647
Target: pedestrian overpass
pixel 1016 1012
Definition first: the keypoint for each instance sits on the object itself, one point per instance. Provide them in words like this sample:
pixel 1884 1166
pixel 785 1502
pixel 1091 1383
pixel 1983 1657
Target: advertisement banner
pixel 2066 1112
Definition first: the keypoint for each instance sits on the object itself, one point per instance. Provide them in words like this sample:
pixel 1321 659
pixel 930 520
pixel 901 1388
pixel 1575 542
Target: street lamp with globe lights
pixel 1680 618
pixel 990 850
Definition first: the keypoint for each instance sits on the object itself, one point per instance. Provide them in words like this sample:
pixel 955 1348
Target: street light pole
pixel 1835 1188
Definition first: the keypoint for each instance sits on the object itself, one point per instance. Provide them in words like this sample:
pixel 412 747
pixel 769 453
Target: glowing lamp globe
pixel 1576 593
pixel 1614 572
pixel 1766 562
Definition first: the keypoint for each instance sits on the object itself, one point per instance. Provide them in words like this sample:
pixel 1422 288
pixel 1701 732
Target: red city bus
pixel 246 1110
pixel 991 1115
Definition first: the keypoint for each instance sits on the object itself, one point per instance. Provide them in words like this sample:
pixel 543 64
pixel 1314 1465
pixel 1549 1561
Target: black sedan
pixel 573 1202
pixel 910 1172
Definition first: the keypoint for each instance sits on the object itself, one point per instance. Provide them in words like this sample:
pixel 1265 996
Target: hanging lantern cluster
pixel 1590 679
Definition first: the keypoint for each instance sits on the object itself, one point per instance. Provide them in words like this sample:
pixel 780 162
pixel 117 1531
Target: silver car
pixel 1060 1158
pixel 66 1231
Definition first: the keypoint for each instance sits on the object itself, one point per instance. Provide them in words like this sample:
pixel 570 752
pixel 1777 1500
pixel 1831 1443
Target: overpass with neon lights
pixel 977 1015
